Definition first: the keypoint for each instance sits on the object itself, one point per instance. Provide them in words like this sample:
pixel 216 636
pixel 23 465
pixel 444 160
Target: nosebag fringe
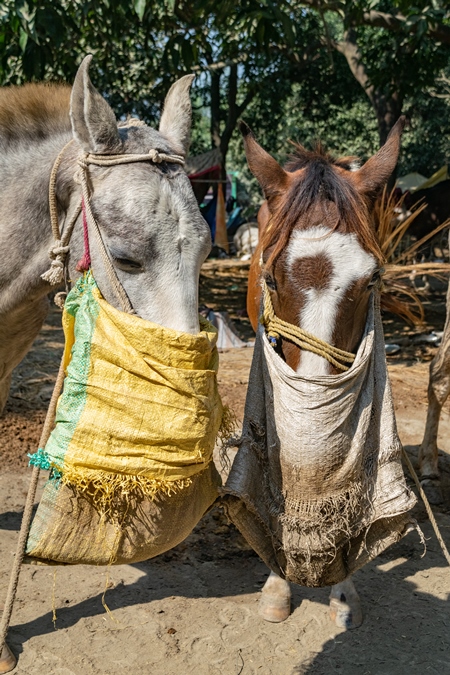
pixel 130 457
pixel 317 486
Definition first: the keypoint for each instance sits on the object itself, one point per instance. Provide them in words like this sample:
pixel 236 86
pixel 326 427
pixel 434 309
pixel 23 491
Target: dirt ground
pixel 194 609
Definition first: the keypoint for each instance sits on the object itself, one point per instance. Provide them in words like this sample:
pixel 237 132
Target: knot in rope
pixel 83 164
pixel 155 156
pixel 60 299
pixel 58 250
pixel 277 328
pixel 55 274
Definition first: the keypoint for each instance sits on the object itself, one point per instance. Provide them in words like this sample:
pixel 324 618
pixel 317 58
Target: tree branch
pixel 349 48
pixel 393 22
pixel 246 102
pixel 220 65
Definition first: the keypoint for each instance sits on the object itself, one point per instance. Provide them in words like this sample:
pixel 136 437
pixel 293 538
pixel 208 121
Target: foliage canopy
pixel 342 70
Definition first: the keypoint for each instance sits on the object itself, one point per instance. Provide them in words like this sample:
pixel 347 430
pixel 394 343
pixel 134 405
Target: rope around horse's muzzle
pixel 277 328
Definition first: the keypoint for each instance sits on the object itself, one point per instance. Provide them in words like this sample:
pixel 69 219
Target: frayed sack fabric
pixel 131 452
pixel 317 486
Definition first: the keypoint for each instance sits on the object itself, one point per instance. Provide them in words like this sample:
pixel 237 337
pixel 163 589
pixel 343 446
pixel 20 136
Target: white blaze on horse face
pixel 349 262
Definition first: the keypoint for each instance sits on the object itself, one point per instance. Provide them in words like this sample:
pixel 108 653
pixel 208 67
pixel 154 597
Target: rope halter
pixel 58 252
pixel 277 328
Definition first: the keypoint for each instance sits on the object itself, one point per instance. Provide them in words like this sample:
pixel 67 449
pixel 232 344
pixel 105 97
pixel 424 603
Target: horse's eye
pixel 271 283
pixel 127 265
pixel 376 276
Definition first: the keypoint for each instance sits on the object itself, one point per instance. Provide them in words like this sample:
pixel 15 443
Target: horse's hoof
pixel 275 601
pixel 433 490
pixel 344 614
pixel 7 660
pixel 274 608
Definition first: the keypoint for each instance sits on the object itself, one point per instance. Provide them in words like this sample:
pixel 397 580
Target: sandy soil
pixel 194 609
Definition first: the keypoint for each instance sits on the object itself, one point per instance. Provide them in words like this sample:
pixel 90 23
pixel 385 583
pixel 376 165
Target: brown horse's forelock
pixel 34 111
pixel 319 183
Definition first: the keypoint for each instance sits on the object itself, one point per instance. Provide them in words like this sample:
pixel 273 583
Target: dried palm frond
pixel 411 310
pixel 437 270
pixel 390 233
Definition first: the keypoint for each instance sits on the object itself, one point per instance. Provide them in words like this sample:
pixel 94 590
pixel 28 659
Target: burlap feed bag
pixel 317 486
pixel 131 451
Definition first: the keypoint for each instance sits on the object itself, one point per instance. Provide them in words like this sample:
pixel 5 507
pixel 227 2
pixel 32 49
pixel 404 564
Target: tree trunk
pixel 215 108
pixel 388 108
pixel 222 139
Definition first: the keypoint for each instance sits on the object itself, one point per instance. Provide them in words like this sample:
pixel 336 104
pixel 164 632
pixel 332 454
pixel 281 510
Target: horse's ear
pixel 375 173
pixel 176 118
pixel 269 174
pixel 94 124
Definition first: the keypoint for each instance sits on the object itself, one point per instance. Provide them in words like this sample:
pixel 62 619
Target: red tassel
pixel 84 264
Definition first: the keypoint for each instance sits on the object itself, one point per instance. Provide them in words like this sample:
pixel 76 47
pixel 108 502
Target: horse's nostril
pixel 343 598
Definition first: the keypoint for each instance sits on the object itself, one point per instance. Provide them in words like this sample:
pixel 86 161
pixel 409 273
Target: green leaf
pixel 23 10
pixel 4 11
pixel 287 27
pixel 23 39
pixel 139 8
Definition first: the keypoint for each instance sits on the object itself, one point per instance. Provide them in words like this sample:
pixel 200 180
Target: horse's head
pixel 318 250
pixel 149 220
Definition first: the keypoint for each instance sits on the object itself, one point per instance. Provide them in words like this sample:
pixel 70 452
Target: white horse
pixel 154 233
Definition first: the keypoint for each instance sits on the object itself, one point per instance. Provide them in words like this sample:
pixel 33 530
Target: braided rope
pixel 28 512
pixel 152 155
pixel 53 204
pixel 60 248
pixel 277 327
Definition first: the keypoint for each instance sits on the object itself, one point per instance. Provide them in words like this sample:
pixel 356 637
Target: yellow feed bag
pixel 139 413
pixel 140 401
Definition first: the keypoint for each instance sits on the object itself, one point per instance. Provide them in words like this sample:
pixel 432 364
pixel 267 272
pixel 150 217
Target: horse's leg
pixel 438 391
pixel 275 601
pixel 345 606
pixel 18 328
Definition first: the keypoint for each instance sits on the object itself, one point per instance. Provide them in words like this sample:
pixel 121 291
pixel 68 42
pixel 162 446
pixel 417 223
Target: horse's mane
pixel 318 183
pixel 34 111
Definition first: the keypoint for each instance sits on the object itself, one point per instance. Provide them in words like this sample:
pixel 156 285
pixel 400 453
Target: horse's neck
pixel 25 229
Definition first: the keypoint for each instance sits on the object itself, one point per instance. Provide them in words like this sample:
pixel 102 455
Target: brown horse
pixel 319 257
